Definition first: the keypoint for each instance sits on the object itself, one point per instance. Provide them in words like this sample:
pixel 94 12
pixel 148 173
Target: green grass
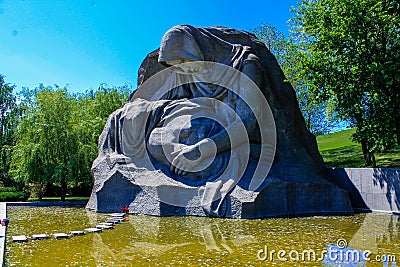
pixel 338 150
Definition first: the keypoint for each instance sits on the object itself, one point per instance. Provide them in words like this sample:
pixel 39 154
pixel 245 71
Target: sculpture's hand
pixel 187 158
pixel 183 159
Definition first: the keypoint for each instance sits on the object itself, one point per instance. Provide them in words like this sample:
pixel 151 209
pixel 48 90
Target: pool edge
pixel 3 214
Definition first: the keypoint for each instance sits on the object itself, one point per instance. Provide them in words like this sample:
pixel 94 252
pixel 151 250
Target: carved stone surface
pixel 197 136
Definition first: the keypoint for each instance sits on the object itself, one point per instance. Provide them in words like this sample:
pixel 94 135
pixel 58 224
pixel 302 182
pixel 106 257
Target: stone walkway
pixel 3 213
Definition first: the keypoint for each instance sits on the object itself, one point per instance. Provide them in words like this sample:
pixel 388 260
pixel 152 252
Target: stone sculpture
pixel 212 130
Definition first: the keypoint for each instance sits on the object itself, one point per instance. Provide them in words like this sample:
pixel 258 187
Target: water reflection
pixel 145 240
pixel 151 237
pixel 376 230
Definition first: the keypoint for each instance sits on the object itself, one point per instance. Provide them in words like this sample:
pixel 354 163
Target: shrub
pixel 12 194
pixel 8 189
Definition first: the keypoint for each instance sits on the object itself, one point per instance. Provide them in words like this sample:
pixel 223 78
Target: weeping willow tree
pixel 8 120
pixel 58 134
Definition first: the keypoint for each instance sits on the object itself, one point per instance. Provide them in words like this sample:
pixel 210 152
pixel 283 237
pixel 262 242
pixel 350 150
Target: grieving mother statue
pixel 187 44
pixel 198 131
pixel 198 137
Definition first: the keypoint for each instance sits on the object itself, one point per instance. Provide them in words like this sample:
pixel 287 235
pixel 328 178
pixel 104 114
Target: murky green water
pixel 183 241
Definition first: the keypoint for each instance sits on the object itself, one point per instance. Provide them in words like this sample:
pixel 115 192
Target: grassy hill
pixel 338 150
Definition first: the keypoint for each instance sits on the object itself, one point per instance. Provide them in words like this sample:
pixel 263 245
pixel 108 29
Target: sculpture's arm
pixel 222 140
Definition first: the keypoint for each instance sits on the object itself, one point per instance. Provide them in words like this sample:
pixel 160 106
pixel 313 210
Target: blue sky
pixel 84 43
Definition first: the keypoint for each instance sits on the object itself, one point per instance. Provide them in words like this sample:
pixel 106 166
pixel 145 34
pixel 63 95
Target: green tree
pixel 58 134
pixel 274 40
pixel 352 61
pixel 8 120
pixel 46 144
pixel 94 109
pixel 289 51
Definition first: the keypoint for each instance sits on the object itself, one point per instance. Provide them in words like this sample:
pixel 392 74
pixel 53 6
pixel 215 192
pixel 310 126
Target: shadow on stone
pixel 342 179
pixel 116 193
pixel 389 180
pixel 376 189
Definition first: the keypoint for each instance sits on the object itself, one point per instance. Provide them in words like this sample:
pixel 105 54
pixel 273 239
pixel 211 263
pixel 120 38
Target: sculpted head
pixel 179 46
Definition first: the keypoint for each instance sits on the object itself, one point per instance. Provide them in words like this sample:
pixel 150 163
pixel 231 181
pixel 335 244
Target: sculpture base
pixel 148 192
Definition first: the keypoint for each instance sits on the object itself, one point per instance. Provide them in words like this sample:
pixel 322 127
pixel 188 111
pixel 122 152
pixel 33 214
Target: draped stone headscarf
pixel 187 43
pixel 179 44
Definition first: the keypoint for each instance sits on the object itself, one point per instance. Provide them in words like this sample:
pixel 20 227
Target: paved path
pixel 3 213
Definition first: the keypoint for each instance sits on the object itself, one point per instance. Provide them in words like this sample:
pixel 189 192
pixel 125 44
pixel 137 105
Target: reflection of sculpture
pixel 185 148
pixel 376 230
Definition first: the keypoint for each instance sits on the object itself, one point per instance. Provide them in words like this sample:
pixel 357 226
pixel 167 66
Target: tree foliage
pixel 289 51
pixel 8 120
pixel 58 134
pixel 353 61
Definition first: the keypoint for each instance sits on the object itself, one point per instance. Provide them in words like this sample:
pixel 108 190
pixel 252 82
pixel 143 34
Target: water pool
pixel 194 241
